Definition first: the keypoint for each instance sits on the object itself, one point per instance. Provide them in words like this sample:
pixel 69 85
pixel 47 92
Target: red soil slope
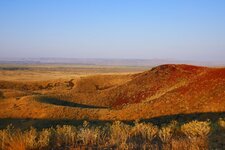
pixel 204 92
pixel 156 82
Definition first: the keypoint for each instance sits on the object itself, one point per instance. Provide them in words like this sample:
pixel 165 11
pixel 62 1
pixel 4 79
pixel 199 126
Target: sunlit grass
pixel 116 135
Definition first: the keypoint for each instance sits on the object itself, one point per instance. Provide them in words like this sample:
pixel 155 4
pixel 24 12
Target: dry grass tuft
pixel 88 135
pixel 197 132
pixel 119 134
pixel 12 139
pixel 196 129
pixel 144 132
pixel 166 132
pixel 221 123
pixel 65 135
pixel 44 138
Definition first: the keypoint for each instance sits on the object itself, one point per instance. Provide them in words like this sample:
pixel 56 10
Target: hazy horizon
pixel 179 30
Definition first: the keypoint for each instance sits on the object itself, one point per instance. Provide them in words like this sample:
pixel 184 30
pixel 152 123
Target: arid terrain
pixel 109 93
pixel 48 95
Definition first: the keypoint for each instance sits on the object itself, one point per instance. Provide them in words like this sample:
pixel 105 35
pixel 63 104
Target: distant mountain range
pixel 101 61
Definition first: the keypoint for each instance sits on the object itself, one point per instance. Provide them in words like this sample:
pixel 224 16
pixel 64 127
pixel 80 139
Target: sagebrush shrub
pixel 166 132
pixel 15 141
pixel 221 123
pixel 88 135
pixel 119 133
pixel 30 138
pixel 66 135
pixel 44 138
pixel 196 129
pixel 143 132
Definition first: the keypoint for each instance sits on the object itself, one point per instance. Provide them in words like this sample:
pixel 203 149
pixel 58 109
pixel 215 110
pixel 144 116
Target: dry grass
pixel 166 134
pixel 198 133
pixel 221 123
pixel 144 132
pixel 196 129
pixel 88 135
pixel 117 135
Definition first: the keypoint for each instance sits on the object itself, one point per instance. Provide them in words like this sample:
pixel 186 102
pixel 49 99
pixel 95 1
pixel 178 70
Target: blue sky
pixel 144 29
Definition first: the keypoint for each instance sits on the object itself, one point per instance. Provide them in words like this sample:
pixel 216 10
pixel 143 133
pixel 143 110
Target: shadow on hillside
pixel 55 101
pixel 183 118
pixel 25 123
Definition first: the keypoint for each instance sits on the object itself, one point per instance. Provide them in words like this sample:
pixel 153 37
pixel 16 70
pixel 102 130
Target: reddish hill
pixel 168 90
pixel 156 82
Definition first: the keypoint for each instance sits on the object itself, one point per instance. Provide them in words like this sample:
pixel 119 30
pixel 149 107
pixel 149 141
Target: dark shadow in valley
pixel 55 101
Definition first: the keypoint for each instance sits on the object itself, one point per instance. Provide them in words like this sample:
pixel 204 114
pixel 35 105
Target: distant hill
pixel 99 61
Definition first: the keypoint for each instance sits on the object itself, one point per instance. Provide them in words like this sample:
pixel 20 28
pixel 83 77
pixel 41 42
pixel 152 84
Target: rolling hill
pixel 162 91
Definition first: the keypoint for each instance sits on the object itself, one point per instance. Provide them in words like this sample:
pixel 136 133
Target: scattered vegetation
pixel 117 135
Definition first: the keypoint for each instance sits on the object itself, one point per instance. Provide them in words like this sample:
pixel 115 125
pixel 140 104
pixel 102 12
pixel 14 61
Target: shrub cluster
pixel 117 135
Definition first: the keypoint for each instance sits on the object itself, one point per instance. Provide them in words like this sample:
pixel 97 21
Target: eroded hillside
pixel 163 90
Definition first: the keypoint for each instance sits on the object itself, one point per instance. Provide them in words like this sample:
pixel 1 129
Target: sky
pixel 140 29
